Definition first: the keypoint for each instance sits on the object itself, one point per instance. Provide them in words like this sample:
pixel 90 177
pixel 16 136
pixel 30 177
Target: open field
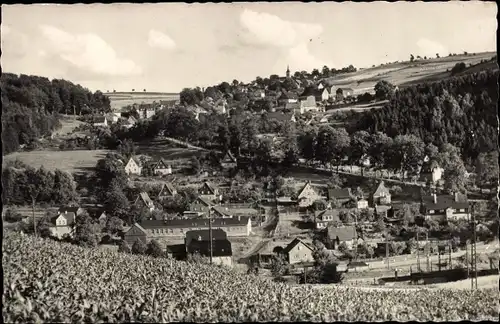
pixel 68 124
pixel 122 99
pixel 166 150
pixel 482 283
pixel 70 161
pixel 405 73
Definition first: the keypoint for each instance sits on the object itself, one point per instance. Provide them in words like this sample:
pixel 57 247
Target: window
pixel 462 210
pixel 431 211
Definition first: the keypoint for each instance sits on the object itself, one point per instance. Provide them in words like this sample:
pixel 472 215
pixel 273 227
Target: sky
pixel 166 47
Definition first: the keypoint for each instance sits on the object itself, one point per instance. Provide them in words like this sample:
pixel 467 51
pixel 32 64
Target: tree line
pixel 31 106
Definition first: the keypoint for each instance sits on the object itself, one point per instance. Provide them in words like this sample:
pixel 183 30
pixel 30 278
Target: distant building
pixel 342 196
pixel 282 116
pixel 307 195
pixel 325 217
pixel 308 104
pixel 209 192
pixel 198 242
pixel 445 207
pixel 161 168
pixel 381 195
pixel 133 166
pixel 431 172
pixel 288 97
pixel 143 201
pixel 167 190
pixel 62 224
pixel 229 161
pixel 298 252
pixel 100 121
pixel 342 234
pixel 362 204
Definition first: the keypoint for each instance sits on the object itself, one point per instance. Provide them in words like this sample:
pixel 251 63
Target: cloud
pixel 292 38
pixel 429 47
pixel 88 52
pixel 267 29
pixel 160 40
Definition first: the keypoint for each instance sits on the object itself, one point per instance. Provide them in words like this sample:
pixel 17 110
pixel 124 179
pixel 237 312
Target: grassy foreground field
pixel 70 161
pixel 46 281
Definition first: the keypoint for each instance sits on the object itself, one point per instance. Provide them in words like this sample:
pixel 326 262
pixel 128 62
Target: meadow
pixel 47 281
pixel 122 99
pixel 69 161
pixel 405 73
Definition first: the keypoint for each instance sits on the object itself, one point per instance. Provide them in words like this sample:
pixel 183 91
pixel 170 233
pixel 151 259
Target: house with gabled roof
pixel 325 217
pixel 143 201
pixel 381 195
pixel 342 196
pixel 161 168
pixel 445 207
pixel 77 211
pixel 288 97
pixel 100 121
pixel 62 224
pixel 308 103
pixel 307 195
pixel 209 192
pixel 198 242
pixel 229 161
pixel 133 166
pixel 431 172
pixel 341 234
pixel 199 208
pixel 167 190
pixel 298 252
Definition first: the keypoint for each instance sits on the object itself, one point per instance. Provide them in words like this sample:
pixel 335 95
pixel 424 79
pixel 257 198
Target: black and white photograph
pixel 250 162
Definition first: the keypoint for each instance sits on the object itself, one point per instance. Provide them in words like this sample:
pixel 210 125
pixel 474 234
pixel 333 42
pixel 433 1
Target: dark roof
pixel 176 248
pixel 209 186
pixel 145 198
pixel 288 95
pixel 220 248
pixel 428 166
pixel 329 212
pixel 204 235
pixel 292 105
pixel 99 119
pixel 198 222
pixel 344 233
pixel 280 116
pixel 445 201
pixel 203 201
pixel 69 209
pixel 229 157
pixel 168 187
pixel 221 210
pixel 160 164
pixel 293 244
pixel 354 264
pixel 339 193
pixel 382 208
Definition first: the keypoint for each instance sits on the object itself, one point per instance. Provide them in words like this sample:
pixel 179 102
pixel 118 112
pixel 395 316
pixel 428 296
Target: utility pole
pixel 467 257
pixel 387 247
pixel 210 233
pixel 449 254
pixel 473 248
pixel 418 254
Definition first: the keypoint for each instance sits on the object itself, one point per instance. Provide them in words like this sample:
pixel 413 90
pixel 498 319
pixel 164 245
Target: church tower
pixel 287 71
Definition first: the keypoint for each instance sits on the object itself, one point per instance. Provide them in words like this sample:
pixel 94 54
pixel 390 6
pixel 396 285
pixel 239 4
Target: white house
pixel 133 167
pixel 100 121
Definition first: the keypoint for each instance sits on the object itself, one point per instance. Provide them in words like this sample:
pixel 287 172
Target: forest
pixel 31 107
pixel 460 111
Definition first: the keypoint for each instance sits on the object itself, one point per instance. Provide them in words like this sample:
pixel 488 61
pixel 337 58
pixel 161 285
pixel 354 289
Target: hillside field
pixel 122 99
pixel 406 73
pixel 70 161
pixel 47 281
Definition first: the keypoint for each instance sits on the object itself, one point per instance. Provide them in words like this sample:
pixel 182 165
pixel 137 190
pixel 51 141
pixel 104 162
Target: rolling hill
pixel 122 99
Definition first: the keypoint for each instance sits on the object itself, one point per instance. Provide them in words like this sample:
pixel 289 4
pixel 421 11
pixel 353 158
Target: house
pixel 325 217
pixel 171 229
pixel 341 196
pixel 77 211
pixel 220 106
pixel 113 117
pixel 229 161
pixel 288 97
pixel 308 104
pixel 307 195
pixel 204 235
pixel 219 248
pixel 362 204
pixel 221 212
pixel 325 95
pixel 342 234
pixel 347 92
pixel 168 103
pixel 146 111
pixel 381 195
pixel 298 252
pixel 62 225
pixel 143 201
pixel 161 168
pixel 283 117
pixel 130 122
pixel 445 207
pixel 167 190
pixel 199 207
pixel 322 85
pixel 102 218
pixel 381 211
pixel 100 121
pixel 209 192
pixel 431 172
pixel 133 166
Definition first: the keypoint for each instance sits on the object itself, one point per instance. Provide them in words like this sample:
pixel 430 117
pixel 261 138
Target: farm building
pixel 167 190
pixel 307 195
pixel 198 242
pixel 62 224
pixel 133 166
pixel 161 168
pixel 445 207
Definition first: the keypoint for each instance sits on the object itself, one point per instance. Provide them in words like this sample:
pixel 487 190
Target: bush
pixel 124 247
pixel 154 249
pixel 12 216
pixel 139 247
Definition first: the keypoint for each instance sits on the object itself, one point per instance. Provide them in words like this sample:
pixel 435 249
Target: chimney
pixel 435 197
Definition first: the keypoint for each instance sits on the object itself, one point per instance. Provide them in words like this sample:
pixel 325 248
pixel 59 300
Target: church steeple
pixel 287 71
